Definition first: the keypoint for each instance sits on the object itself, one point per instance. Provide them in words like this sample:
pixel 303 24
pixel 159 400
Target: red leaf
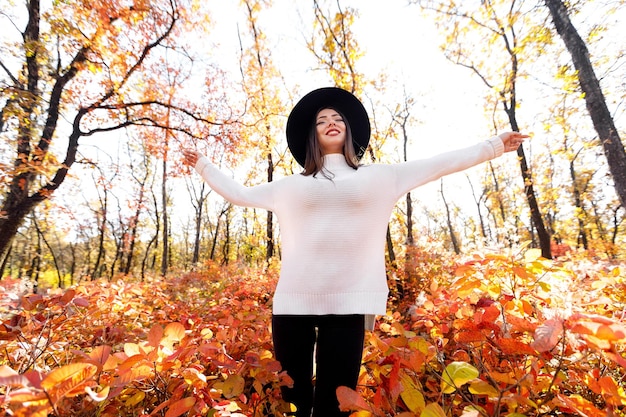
pixel 180 407
pixel 520 324
pixel 81 302
pixel 515 347
pixel 350 400
pixel 155 335
pixel 547 335
pixel 69 380
pixel 68 296
pixel 100 354
pixel 9 377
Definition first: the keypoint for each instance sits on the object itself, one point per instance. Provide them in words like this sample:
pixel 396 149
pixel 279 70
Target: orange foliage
pixel 501 335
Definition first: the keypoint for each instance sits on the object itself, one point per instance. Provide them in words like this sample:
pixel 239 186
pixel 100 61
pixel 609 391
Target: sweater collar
pixel 335 161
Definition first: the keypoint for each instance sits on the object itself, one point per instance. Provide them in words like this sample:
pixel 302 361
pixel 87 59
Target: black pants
pixel 338 344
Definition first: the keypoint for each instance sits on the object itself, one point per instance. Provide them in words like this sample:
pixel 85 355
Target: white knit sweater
pixel 334 230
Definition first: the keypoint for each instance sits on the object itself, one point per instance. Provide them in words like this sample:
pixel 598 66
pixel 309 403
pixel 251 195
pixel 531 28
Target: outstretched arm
pixel 413 174
pixel 260 196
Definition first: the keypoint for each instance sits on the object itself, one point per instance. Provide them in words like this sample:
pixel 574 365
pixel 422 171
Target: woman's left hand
pixel 512 140
pixel 190 157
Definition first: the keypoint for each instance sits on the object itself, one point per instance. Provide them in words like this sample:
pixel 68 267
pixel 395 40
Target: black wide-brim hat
pixel 303 115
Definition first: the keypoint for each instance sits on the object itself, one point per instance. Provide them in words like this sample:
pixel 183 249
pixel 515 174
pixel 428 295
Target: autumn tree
pixel 199 196
pixel 334 45
pixel 140 175
pixel 94 64
pixel 593 95
pixel 103 186
pixel 498 23
pixel 262 83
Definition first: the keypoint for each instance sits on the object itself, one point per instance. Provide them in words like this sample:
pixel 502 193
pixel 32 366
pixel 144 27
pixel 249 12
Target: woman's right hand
pixel 512 140
pixel 190 158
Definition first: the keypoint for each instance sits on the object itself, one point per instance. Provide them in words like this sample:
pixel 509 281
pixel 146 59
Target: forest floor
pixel 491 334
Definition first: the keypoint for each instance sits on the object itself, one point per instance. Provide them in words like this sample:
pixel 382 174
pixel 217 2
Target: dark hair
pixel 314 162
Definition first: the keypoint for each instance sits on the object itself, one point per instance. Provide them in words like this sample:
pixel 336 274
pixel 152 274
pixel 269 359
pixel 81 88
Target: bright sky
pixel 396 40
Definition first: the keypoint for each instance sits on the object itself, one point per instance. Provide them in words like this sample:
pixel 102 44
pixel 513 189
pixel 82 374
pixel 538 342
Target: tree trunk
pixel 496 184
pixel 410 239
pixel 127 263
pixel 594 98
pixel 103 226
pixel 580 210
pixel 144 262
pixel 18 203
pixel 455 243
pixel 214 242
pixel 616 226
pixel 390 251
pixel 269 254
pixel 35 266
pixel 5 261
pixel 198 229
pixel 166 249
pixel 478 201
pixel 535 212
pixel 226 248
pixel 529 189
pixel 55 261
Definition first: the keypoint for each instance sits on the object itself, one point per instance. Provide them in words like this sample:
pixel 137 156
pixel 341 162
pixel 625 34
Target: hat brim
pixel 303 115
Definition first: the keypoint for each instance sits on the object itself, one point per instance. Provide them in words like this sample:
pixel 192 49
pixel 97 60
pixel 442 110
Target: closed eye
pixel 325 122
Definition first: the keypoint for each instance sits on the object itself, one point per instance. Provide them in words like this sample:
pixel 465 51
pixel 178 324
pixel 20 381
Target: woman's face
pixel 331 131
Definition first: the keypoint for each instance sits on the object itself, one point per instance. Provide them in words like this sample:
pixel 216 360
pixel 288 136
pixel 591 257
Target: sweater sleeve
pixel 259 196
pixel 412 174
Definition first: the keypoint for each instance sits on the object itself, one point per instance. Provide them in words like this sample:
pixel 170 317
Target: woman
pixel 333 219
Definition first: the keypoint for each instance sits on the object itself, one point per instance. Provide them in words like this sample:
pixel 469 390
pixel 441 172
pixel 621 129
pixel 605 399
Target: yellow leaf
pixel 494 290
pixel 457 374
pixel 433 410
pixel 233 386
pixel 532 255
pixel 206 333
pixel 131 349
pixel 174 332
pixel 135 399
pixel 483 388
pixel 411 394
